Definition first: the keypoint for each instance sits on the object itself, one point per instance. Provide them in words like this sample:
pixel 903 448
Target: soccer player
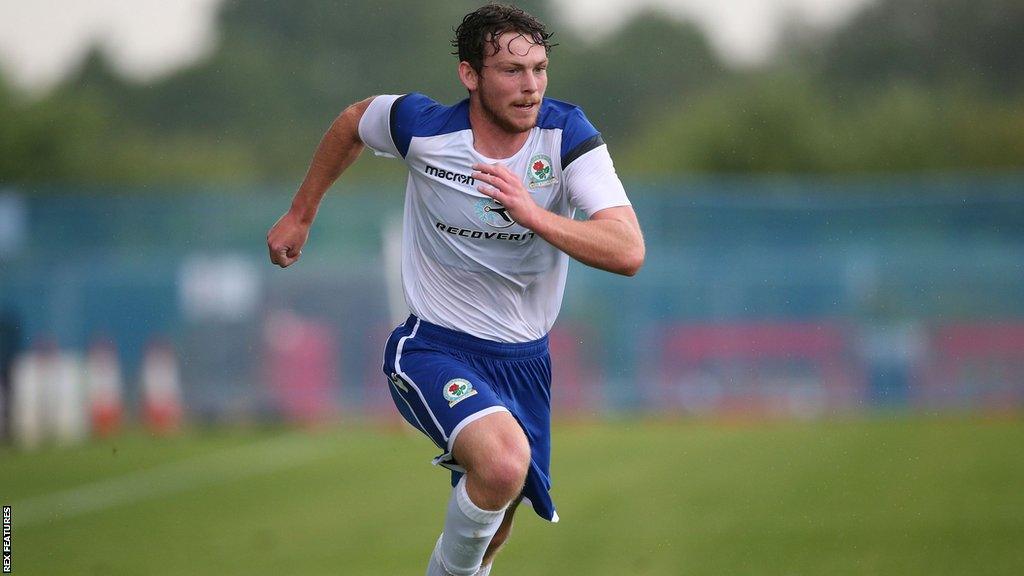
pixel 494 182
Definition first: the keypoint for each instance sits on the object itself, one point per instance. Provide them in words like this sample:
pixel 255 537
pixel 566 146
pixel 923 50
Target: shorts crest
pixel 457 390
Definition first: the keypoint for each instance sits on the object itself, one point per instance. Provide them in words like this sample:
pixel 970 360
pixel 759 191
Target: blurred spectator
pixel 10 345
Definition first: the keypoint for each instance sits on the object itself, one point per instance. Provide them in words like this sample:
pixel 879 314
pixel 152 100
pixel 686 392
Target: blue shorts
pixel 442 379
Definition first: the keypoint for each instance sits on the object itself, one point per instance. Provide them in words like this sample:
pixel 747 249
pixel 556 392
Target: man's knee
pixel 494 450
pixel 506 473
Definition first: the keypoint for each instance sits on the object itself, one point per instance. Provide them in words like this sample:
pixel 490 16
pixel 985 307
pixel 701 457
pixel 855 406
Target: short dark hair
pixel 483 26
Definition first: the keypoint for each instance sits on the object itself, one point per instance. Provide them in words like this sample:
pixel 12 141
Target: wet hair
pixel 483 27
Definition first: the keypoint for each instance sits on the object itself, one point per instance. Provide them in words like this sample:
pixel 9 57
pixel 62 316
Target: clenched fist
pixel 285 240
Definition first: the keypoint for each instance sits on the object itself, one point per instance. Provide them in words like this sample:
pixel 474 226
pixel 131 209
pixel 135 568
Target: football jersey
pixel 466 263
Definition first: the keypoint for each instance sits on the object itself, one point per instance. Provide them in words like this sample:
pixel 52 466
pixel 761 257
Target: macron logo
pixel 449 175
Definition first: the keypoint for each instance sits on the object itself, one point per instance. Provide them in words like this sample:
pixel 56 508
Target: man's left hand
pixel 505 187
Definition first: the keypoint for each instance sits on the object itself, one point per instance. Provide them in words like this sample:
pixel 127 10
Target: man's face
pixel 512 82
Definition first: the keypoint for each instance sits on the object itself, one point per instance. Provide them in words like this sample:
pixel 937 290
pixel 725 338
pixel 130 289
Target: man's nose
pixel 530 84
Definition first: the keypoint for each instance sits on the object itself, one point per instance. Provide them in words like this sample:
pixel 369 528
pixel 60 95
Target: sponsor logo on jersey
pixel 483 235
pixel 539 171
pixel 449 175
pixel 493 213
pixel 457 390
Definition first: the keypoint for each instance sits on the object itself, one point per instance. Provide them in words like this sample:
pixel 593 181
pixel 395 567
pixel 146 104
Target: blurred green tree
pixel 786 123
pixel 933 42
pixel 904 85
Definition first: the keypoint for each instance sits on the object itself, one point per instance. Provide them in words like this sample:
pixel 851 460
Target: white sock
pixel 468 530
pixel 435 567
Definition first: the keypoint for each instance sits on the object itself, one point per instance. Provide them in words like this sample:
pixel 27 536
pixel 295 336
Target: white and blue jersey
pixel 466 264
pixel 484 291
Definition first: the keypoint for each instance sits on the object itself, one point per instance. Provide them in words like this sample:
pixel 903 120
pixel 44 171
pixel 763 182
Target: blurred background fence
pixel 761 295
pixel 855 242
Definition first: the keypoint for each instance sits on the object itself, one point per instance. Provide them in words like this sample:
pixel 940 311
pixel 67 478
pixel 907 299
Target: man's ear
pixel 470 79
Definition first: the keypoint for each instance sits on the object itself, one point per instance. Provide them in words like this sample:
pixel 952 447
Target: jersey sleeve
pixel 592 183
pixel 578 137
pixel 390 122
pixel 590 178
pixel 375 126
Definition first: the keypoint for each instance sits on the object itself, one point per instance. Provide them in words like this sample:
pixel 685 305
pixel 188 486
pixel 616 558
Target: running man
pixel 494 182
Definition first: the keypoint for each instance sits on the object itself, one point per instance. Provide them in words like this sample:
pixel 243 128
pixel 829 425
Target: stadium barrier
pixel 795 369
pixel 302 358
pixel 875 269
pixel 977 365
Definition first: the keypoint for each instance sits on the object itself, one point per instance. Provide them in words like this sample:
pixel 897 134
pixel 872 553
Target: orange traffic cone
pixel 105 383
pixel 161 389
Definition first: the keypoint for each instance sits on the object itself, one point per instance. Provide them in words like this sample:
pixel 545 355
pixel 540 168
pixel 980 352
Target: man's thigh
pixel 479 443
pixel 439 394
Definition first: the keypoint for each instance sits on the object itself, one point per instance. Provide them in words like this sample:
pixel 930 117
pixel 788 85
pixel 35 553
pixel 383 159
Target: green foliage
pixel 905 85
pixel 744 126
pixel 781 123
pixel 933 42
pixel 46 140
pixel 641 69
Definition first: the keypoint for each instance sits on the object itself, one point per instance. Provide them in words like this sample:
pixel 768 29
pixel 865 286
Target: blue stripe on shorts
pixel 441 380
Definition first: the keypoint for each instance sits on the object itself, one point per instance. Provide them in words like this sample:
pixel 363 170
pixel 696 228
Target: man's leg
pixel 499 538
pixel 496 455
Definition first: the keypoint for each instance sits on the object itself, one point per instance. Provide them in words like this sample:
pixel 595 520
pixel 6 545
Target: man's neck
pixel 490 139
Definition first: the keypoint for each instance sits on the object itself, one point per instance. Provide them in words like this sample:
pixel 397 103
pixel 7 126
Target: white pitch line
pixel 206 470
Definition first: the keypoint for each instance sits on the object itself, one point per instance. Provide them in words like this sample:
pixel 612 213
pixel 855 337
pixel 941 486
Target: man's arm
pixel 610 240
pixel 338 149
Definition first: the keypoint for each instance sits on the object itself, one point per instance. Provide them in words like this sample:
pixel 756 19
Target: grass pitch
pixel 901 496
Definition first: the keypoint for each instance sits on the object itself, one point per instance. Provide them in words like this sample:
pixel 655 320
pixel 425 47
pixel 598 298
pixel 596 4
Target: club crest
pixel 539 171
pixel 457 390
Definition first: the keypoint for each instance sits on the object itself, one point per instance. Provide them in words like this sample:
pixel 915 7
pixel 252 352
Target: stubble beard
pixel 503 121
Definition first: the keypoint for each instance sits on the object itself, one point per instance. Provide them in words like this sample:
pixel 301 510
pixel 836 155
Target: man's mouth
pixel 526 105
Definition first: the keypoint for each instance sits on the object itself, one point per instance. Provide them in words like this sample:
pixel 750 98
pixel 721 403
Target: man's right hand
pixel 285 240
pixel 338 149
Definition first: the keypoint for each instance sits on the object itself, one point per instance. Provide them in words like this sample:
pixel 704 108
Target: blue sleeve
pixel 578 135
pixel 417 115
pixel 405 112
